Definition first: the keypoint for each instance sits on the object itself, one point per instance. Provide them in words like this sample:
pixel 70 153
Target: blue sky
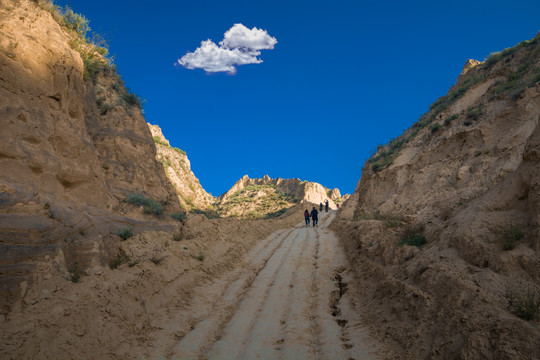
pixel 343 77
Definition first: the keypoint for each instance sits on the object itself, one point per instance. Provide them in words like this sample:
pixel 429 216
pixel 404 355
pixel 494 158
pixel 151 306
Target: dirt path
pixel 287 300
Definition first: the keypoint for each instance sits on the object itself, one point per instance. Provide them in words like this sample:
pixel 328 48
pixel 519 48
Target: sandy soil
pixel 254 296
pixel 288 299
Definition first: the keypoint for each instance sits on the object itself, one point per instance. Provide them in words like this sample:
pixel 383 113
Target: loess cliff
pixel 443 228
pixel 74 146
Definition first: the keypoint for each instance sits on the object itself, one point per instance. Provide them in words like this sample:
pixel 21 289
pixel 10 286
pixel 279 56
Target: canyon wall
pixel 443 228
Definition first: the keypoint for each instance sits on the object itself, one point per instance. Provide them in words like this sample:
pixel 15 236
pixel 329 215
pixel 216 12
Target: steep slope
pixel 74 146
pixel 461 186
pixel 178 169
pixel 268 197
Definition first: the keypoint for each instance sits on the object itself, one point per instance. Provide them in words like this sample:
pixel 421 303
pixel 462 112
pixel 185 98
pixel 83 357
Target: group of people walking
pixel 314 215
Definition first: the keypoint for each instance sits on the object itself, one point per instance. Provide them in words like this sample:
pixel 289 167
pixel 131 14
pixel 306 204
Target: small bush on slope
pixel 150 205
pixel 413 236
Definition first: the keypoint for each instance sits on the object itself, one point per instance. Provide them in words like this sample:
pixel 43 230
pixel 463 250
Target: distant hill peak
pixel 263 196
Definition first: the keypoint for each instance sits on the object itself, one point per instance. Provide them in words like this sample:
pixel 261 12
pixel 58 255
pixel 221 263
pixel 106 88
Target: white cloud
pixel 240 46
pixel 240 37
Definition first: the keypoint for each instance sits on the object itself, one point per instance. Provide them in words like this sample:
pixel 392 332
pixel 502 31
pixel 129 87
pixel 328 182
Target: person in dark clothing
pixel 306 216
pixel 320 207
pixel 314 216
pixel 326 205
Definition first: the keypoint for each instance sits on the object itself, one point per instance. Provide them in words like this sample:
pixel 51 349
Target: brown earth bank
pixel 114 313
pixel 75 145
pixel 79 164
pixel 443 228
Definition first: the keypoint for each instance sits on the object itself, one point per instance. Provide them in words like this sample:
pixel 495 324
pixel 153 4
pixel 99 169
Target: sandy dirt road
pixel 287 300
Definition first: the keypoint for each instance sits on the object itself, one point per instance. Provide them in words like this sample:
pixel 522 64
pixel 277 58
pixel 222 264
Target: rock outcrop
pixel 280 194
pixel 466 178
pixel 334 194
pixel 178 169
pixel 72 150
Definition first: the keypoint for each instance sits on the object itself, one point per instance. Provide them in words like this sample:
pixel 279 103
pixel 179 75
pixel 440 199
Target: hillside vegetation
pixel 268 198
pixel 513 70
pixel 256 201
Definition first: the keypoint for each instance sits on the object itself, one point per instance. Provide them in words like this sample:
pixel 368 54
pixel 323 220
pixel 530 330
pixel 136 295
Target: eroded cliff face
pixel 66 161
pixel 467 175
pixel 191 194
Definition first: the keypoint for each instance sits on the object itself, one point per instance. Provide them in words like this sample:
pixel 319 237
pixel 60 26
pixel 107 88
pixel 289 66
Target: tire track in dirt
pixel 287 300
pixel 252 330
pixel 191 324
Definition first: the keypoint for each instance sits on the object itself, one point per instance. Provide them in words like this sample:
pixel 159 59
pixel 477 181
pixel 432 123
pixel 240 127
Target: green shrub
pixel 526 305
pixel 492 59
pixel 92 51
pixel 157 140
pixel 92 66
pixel 382 162
pixel 157 259
pixel 165 162
pixel 150 205
pixel 210 214
pixel 511 234
pixel 449 119
pixel 103 51
pixel 153 208
pixel 75 274
pixel 132 99
pixel 178 237
pixel 179 216
pixel 133 263
pixel 434 128
pixel 512 87
pixel 474 112
pixel 103 106
pixel 362 216
pixel 115 262
pixel 75 22
pixel 180 151
pixel 391 223
pixel 125 234
pixel 413 236
pixel 535 78
pixel 276 214
pixel 199 257
pixel 137 199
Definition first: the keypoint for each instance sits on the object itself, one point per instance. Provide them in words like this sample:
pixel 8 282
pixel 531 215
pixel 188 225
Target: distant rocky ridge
pixel 266 195
pixel 247 198
pixel 191 194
